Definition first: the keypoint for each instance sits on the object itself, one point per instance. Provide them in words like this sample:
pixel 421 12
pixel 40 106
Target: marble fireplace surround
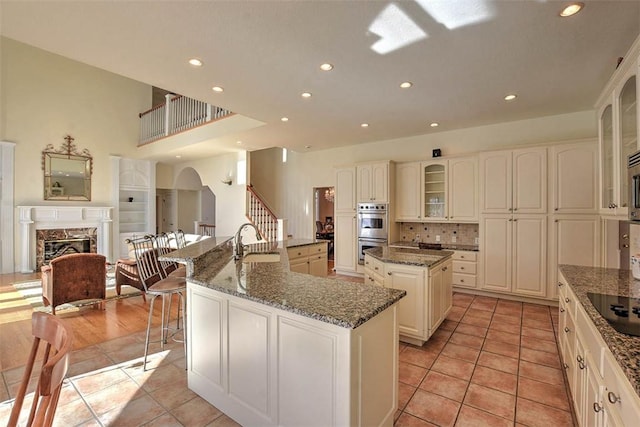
pixel 32 218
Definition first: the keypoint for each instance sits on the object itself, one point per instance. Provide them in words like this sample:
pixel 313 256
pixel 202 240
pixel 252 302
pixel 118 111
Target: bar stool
pixel 157 283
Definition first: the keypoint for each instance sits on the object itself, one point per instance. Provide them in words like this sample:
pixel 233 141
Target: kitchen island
pixel 602 365
pixel 426 276
pixel 268 346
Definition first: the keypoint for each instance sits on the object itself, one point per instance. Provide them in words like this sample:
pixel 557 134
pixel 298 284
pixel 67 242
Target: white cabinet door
pixel 318 265
pixel 575 178
pixel 496 240
pixel 435 308
pixel 408 199
pixel 412 306
pixel 345 198
pixel 380 182
pixel 463 189
pixel 345 245
pixel 529 255
pixel 364 182
pixel 530 180
pixel 495 181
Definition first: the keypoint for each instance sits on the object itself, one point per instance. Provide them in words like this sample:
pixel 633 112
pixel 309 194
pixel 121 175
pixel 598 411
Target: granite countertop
pixel 345 304
pixel 409 256
pixel 196 249
pixel 610 281
pixel 447 246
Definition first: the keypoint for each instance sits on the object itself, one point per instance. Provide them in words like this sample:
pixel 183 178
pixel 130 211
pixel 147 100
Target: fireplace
pixel 70 223
pixel 53 243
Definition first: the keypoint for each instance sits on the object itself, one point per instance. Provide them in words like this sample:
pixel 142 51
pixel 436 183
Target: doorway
pixel 323 214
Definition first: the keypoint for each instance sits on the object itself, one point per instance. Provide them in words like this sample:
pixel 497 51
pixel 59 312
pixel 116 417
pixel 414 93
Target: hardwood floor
pixel 90 325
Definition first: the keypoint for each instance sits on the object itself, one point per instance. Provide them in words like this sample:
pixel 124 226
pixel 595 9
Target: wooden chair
pixel 74 277
pixel 207 230
pixel 157 283
pixel 58 338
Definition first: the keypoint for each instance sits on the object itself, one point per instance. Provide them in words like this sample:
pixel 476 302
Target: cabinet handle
pixel 566 300
pixel 555 209
pixel 561 310
pixel 579 358
pixel 567 330
pixel 461 268
pixel 555 220
pixel 389 273
pixel 510 219
pixel 444 268
pixel 613 398
pixel 515 209
pixel 560 284
pixel 461 280
pixel 515 220
pixel 461 256
pixel 565 366
pixel 375 268
pixel 366 262
pixel 596 407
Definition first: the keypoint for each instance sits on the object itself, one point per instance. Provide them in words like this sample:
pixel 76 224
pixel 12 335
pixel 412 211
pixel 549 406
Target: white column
pixel 7 155
pixel 27 241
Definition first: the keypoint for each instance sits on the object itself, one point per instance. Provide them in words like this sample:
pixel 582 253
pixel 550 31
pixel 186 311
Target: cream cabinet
pixel 514 181
pixel 618 133
pixel 428 300
pixel 309 259
pixel 601 393
pixel 345 243
pixel 465 267
pixel 434 191
pixel 345 190
pixel 408 204
pixel 574 178
pixel 463 189
pixel 373 271
pixel 514 254
pixel 372 182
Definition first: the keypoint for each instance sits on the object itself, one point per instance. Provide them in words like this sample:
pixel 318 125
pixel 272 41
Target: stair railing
pixel 261 216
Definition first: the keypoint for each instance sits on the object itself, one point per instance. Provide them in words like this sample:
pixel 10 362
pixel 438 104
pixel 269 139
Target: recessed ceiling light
pixel 326 67
pixel 510 97
pixel 307 146
pixel 434 124
pixel 405 85
pixel 178 157
pixel 195 62
pixel 285 119
pixel 364 125
pixel 306 94
pixel 571 9
pixel 217 89
pixel 238 142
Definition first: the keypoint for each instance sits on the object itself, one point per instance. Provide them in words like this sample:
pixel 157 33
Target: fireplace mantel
pixel 32 218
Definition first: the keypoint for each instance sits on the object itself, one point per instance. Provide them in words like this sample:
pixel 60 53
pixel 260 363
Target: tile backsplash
pixel 462 234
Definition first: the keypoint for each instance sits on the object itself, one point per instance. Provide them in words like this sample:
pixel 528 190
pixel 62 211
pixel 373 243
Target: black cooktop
pixel 622 313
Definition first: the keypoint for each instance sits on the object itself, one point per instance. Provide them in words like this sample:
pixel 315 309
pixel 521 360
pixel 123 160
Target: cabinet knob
pixel 461 280
pixel 555 209
pixel 565 366
pixel 366 262
pixel 560 284
pixel 561 310
pixel 461 256
pixel 389 273
pixel 515 209
pixel 375 268
pixel 596 407
pixel 567 300
pixel 567 330
pixel 515 220
pixel 613 398
pixel 461 268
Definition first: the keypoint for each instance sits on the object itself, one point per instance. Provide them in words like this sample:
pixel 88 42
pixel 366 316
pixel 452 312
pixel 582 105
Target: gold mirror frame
pixel 67 172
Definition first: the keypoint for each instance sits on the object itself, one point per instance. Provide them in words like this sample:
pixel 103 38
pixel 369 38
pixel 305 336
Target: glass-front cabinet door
pixel 607 158
pixel 435 191
pixel 628 135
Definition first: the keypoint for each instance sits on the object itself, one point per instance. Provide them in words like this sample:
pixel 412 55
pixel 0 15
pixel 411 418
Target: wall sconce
pixel 227 181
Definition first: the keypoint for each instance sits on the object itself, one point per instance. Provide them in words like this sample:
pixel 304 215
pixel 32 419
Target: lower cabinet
pixel 309 259
pixel 345 243
pixel 600 391
pixel 429 295
pixel 264 366
pixel 465 268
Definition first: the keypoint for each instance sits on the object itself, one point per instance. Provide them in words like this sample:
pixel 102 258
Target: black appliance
pixel 622 313
pixel 434 246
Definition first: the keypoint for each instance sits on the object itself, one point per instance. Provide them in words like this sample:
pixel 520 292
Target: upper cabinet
pixel 514 181
pixel 438 191
pixel 345 198
pixel 574 178
pixel 373 182
pixel 618 134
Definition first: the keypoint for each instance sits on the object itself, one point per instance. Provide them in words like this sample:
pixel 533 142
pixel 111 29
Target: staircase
pixel 261 216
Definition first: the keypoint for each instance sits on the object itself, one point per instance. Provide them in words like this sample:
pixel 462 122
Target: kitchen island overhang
pixel 272 347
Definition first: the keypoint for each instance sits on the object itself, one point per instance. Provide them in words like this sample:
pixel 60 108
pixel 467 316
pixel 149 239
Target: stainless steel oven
pixel 364 244
pixel 372 221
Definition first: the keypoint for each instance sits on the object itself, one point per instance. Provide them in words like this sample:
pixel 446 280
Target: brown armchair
pixel 74 277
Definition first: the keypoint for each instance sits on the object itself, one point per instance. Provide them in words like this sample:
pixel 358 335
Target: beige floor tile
pixel 483 314
pixel 492 401
pixel 407 420
pixel 72 413
pixel 116 396
pixel 541 345
pixel 196 412
pixel 498 362
pixel 540 357
pixel 405 392
pixel 472 341
pixel 497 380
pixel 549 394
pixel 540 334
pixel 164 420
pixel 541 373
pixel 475 321
pixel 506 337
pixel 460 352
pixel 411 374
pixel 534 414
pixel 433 408
pixel 223 421
pixel 445 386
pixel 503 318
pixel 477 331
pixel 502 348
pixel 174 395
pixel 418 357
pixel 472 417
pixel 94 381
pixel 89 365
pixel 453 367
pixel 501 326
pixel 136 412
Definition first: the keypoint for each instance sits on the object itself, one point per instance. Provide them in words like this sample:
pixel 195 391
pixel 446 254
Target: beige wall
pixel 44 97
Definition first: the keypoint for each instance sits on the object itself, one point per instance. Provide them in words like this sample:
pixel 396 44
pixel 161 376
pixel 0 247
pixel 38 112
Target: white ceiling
pixel 266 53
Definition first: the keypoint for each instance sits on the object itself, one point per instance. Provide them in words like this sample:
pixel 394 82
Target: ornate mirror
pixel 67 172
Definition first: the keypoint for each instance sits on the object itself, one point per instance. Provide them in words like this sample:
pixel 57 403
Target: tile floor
pixel 493 362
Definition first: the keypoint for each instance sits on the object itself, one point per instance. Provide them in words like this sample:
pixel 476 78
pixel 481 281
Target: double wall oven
pixel 373 227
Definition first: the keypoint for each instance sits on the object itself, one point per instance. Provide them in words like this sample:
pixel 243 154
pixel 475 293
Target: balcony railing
pixel 177 114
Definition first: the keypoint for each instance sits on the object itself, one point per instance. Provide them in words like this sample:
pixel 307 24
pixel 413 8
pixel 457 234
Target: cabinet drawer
pixel 374 265
pixel 593 343
pixel 319 248
pixel 567 337
pixel 298 252
pixel 465 255
pixel 466 280
pixel 569 300
pixel 466 267
pixel 619 397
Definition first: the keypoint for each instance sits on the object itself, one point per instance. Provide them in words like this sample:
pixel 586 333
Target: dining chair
pixel 158 283
pixel 49 329
pixel 207 230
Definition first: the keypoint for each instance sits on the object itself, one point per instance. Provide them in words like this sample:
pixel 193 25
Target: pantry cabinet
pixel 345 234
pixel 618 134
pixel 514 253
pixel 345 190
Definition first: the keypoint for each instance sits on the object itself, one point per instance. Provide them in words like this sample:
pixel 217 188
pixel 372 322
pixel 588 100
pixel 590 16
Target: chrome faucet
pixel 239 249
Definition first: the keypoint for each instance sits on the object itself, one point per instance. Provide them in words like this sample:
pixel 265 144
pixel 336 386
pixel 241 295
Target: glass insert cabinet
pixel 435 190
